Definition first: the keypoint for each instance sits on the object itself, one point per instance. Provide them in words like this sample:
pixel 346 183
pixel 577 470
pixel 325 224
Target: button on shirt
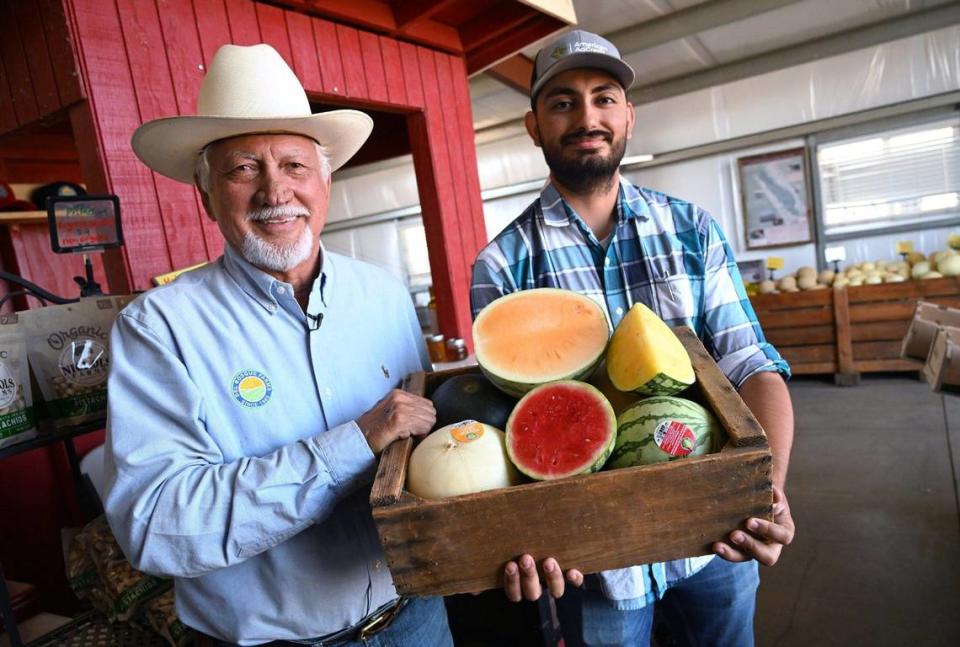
pixel 665 253
pixel 234 463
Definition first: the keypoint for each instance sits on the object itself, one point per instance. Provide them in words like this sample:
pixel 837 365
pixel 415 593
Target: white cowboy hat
pixel 246 90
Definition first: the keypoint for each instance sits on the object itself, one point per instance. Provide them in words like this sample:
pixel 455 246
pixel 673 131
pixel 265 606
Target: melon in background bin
pixel 460 459
pixel 664 428
pixel 561 429
pixel 471 396
pixel 646 356
pixel 528 338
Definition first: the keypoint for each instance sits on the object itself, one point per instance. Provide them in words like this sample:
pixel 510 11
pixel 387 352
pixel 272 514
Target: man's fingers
pixel 529 578
pixel 511 581
pixel 730 552
pixel 553 576
pixel 772 532
pixel 575 577
pixel 766 554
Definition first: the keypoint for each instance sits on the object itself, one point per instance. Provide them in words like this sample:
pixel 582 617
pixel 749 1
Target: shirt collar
pixel 264 288
pixel 557 213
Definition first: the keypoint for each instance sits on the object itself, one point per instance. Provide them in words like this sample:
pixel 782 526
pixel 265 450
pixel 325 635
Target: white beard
pixel 273 257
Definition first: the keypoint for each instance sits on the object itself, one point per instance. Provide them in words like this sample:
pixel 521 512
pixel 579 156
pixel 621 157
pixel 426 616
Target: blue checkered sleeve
pixel 731 331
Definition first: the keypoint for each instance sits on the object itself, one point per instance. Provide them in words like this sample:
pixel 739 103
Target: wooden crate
pixel 851 330
pixel 595 522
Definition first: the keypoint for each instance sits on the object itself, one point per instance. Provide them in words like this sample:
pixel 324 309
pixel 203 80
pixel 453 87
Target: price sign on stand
pixel 84 223
pixel 774 263
pixel 835 255
pixel 80 224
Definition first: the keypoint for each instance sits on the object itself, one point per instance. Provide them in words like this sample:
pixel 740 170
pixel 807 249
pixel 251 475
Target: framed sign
pixel 775 194
pixel 83 223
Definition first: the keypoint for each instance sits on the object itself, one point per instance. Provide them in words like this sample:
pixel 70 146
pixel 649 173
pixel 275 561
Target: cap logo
pixel 558 52
pixel 595 48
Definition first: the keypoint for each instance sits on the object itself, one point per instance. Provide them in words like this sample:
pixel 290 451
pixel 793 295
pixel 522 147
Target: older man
pixel 249 399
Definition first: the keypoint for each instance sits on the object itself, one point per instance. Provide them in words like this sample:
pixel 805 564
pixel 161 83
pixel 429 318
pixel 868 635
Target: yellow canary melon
pixel 646 356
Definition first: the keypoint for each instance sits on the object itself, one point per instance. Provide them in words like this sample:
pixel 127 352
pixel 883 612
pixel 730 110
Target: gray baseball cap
pixel 578 49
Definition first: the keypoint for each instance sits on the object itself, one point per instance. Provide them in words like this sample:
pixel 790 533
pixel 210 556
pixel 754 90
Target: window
pixel 906 176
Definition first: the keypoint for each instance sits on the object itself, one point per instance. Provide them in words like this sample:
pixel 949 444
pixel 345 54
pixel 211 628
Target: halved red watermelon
pixel 561 429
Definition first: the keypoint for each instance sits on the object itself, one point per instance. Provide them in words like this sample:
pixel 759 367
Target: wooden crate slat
pixel 870 350
pixel 895 311
pixel 879 330
pixel 792 300
pixel 811 353
pixel 782 337
pixel 813 368
pixel 907 290
pixel 795 318
pixel 874 365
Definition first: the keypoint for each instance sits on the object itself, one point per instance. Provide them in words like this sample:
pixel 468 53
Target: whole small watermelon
pixel 471 396
pixel 664 428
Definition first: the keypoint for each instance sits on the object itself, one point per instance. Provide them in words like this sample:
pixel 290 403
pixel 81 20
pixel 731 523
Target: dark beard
pixel 587 174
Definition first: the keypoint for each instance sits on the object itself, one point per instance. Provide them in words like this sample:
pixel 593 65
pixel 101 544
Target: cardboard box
pixel 923 328
pixel 942 368
pixel 594 522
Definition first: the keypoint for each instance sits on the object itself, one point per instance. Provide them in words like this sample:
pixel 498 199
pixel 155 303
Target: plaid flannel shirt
pixel 666 253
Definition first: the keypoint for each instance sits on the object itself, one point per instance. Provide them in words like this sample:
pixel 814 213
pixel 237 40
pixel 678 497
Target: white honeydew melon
pixel 868 266
pixel 806 270
pixel 768 287
pixel 854 272
pixel 931 275
pixel 856 280
pixel 461 458
pixel 819 286
pixel 949 265
pixel 786 283
pixel 943 256
pixel 806 281
pixel 873 279
pixel 894 278
pixel 953 240
pixel 919 269
pixel 840 282
pixel 826 277
pixel 915 257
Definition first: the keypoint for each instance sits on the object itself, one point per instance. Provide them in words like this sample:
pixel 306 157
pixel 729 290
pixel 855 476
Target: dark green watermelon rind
pixel 662 384
pixel 520 389
pixel 601 459
pixel 626 447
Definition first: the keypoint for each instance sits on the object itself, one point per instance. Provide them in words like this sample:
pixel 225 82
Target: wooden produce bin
pixel 851 330
pixel 594 522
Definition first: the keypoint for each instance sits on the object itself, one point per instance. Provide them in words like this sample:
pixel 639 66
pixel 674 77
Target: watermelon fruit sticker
pixel 467 431
pixel 675 438
pixel 251 388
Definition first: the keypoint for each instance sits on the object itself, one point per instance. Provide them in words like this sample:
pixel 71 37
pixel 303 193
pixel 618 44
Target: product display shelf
pixel 46 439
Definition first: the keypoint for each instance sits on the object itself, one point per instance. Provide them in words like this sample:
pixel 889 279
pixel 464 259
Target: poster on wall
pixel 775 195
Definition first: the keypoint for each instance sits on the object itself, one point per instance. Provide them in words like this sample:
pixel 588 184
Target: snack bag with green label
pixel 17 422
pixel 69 350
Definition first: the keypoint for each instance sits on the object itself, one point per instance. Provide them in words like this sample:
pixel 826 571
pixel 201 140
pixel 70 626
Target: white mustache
pixel 277 213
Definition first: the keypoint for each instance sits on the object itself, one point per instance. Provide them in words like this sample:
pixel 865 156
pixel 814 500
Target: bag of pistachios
pixel 69 350
pixel 17 421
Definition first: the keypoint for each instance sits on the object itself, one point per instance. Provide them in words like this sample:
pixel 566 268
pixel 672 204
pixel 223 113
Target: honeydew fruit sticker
pixel 467 431
pixel 68 347
pixel 16 405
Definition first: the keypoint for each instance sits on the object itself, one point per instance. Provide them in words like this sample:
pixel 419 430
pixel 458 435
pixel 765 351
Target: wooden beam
pixel 479 57
pixel 514 72
pixel 413 10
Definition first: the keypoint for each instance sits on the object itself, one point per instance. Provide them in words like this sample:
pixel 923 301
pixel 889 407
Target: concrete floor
pixel 873 490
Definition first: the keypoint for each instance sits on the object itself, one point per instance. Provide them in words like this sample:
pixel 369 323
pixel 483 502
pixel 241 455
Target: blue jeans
pixel 713 608
pixel 422 623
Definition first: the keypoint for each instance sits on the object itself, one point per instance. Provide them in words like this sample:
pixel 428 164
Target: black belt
pixel 367 627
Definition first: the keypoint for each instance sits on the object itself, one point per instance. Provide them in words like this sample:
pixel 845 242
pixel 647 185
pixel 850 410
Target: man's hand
pixel 398 415
pixel 765 540
pixel 522 581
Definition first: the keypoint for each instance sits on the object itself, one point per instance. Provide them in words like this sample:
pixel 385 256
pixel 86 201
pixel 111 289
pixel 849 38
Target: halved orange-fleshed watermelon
pixel 561 429
pixel 532 337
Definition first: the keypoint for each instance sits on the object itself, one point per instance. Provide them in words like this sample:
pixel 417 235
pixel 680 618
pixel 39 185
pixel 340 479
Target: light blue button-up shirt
pixel 233 460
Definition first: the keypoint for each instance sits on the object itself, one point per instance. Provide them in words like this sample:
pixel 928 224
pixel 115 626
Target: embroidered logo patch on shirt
pixel 251 388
